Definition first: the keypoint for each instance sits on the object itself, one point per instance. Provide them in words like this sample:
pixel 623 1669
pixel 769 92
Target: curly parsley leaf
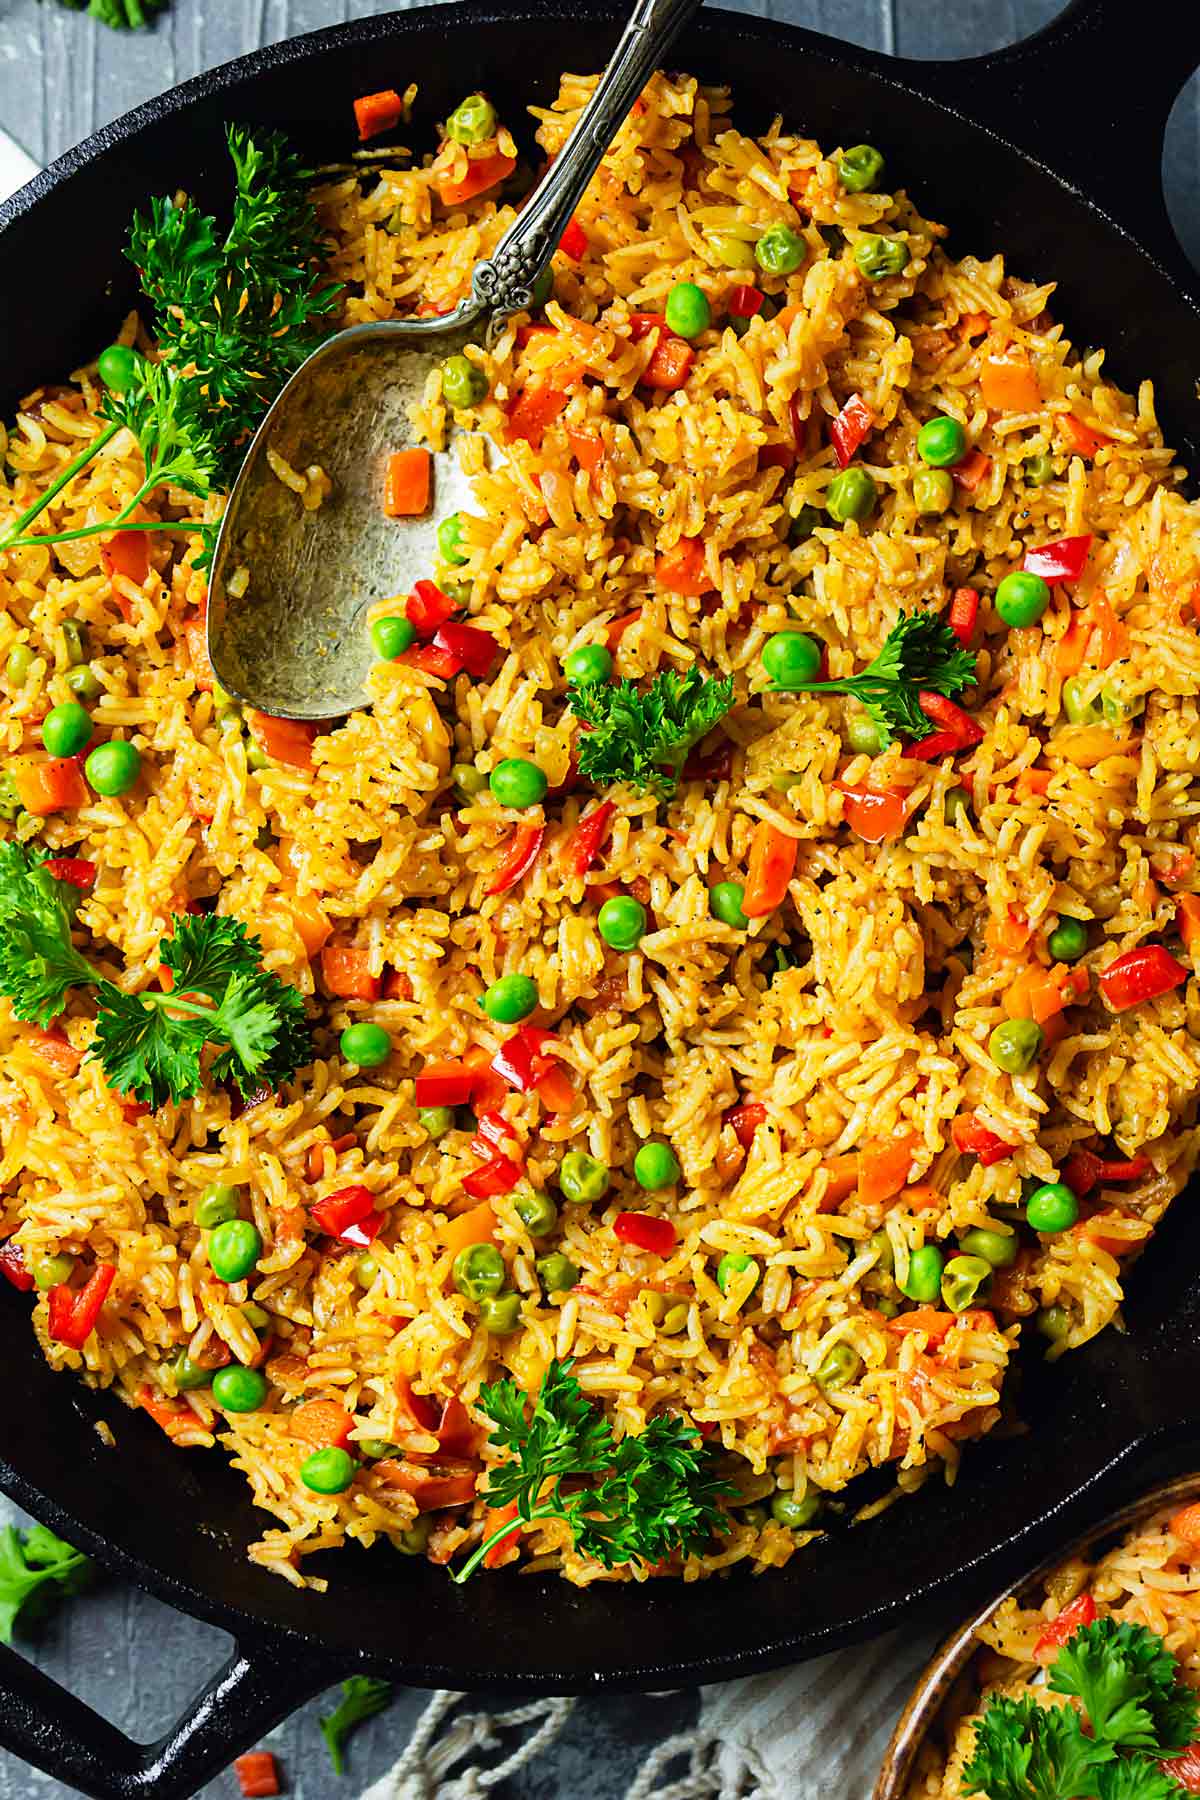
pixel 39 964
pixel 919 652
pixel 119 15
pixel 36 1567
pixel 362 1697
pixel 1024 1751
pixel 1128 1684
pixel 637 1500
pixel 1136 1778
pixel 644 737
pixel 167 415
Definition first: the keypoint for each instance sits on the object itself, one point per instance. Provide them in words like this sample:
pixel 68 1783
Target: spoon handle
pixel 504 283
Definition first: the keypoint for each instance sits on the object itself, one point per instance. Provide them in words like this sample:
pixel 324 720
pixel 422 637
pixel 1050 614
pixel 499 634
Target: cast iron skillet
pixel 977 141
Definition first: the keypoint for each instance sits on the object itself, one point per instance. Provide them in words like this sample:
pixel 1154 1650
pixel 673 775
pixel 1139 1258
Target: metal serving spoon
pixel 294 641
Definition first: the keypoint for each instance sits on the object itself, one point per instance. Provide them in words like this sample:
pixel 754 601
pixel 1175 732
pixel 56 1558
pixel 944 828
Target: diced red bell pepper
pixel 1072 1618
pixel 521 1060
pixel 349 1215
pixel 746 1120
pixel 75 870
pixel 970 1138
pixel 499 1175
pixel 492 1132
pixel 1185 1768
pixel 745 302
pixel 1084 1171
pixel 670 365
pixel 1063 560
pixel 284 740
pixel 427 607
pixel 73 1311
pixel 257 1775
pixel 964 611
pixel 449 1082
pixel 682 569
pixel 433 659
pixel 574 240
pixel 853 425
pixel 126 553
pixel 641 324
pixel 12 1267
pixel 448 1482
pixel 874 815
pixel 346 972
pixel 769 870
pixel 646 1231
pixel 195 637
pixel 970 472
pixel 523 851
pixel 588 836
pixel 1141 974
pixel 473 649
pixel 776 456
pixel 954 725
pixel 1081 439
pixel 534 408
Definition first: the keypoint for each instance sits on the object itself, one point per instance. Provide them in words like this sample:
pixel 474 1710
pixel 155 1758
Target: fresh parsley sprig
pixel 362 1697
pixel 644 737
pixel 919 652
pixel 120 15
pixel 634 1501
pixel 36 1567
pixel 224 1011
pixel 1133 1711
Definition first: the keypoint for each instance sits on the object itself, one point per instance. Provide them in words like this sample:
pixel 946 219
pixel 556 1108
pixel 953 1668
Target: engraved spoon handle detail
pixel 504 283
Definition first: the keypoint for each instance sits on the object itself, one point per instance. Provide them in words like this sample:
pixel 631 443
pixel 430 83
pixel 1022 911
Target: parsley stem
pixel 12 537
pixel 105 525
pixel 507 1530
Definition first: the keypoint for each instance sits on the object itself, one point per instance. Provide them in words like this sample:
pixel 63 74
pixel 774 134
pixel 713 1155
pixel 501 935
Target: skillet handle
pixel 51 1729
pixel 1089 98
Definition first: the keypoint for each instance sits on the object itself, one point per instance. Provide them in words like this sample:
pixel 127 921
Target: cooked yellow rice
pixel 881 1027
pixel 1151 1578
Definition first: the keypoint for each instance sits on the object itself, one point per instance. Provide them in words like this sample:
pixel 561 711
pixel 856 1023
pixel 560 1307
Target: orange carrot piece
pixel 54 1048
pixel 475 1226
pixel 1009 384
pixel 971 470
pixel 1185 1524
pixel 1080 439
pixel 509 1548
pixel 1112 638
pixel 883 1169
pixel 172 1415
pixel 374 113
pixel 841 1179
pixel 618 627
pixel 681 570
pixel 534 408
pixel 921 1197
pixel 126 553
pixel 406 491
pixel 1187 916
pixel 1072 645
pixel 483 172
pixel 772 860
pixel 321 1423
pixel 346 972
pixel 312 927
pixel 670 364
pixel 48 784
pixel 195 638
pixel 928 1319
pixel 587 450
pixel 284 740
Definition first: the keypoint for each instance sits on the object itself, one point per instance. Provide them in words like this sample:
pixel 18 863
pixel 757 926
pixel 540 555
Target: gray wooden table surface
pixel 61 76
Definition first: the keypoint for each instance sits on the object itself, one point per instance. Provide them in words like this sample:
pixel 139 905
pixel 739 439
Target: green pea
pixel 117 367
pixel 536 1211
pixel 851 495
pixel 590 662
pixel 511 999
pixel 518 783
pixel 1080 707
pixel 1119 706
pixel 840 1365
pixel 436 1121
pixel 955 803
pixel 1054 1322
pixel 863 735
pixel 469 782
pixel 51 1271
pixel 478 1271
pixel 1052 1208
pixel 187 1374
pixel 542 288
pixel 257 1317
pixel 687 310
pixel 20 660
pixel 736 1262
pixel 583 1178
pixel 216 1205
pixel 393 636
pixel 113 768
pixel 1038 470
pixel 463 382
pixel 933 491
pixel 733 251
pixel 1015 1045
pixel 237 1389
pixel 366 1271
pixel 622 922
pixel 1022 598
pixel 997 1248
pixel 75 641
pixel 449 540
pixel 556 1272
pixel 328 1471
pixel 885 1250
pixel 1068 941
pixel 878 257
pixel 803 524
pixel 84 682
pixel 941 442
pixel 924 1274
pixel 725 903
pixel 366 1045
pixel 792 659
pixel 233 1249
pixel 375 1449
pixel 962 1278
pixel 500 1314
pixel 656 1166
pixel 66 729
pixel 413 1539
pixel 780 250
pixel 795 1510
pixel 860 168
pixel 472 122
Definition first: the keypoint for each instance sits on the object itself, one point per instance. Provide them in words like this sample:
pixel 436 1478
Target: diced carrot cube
pixel 409 475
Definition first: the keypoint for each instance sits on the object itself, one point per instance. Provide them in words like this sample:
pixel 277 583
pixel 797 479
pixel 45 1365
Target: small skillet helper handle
pixel 54 1731
pixel 1089 98
pixel 504 283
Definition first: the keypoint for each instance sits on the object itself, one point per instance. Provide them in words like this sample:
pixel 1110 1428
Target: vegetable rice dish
pixel 623 1098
